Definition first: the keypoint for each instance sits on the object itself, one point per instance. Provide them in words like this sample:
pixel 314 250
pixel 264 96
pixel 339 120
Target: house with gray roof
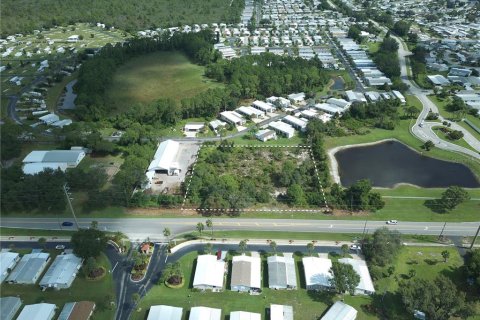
pixel 8 260
pixel 281 273
pixel 29 268
pixel 9 307
pixel 62 272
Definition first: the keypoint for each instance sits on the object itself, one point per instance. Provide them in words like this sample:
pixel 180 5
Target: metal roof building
pixel 328 108
pixel 282 128
pixel 8 260
pixel 340 311
pixel 62 272
pixel 242 315
pixel 251 111
pixel 317 272
pixel 9 307
pixel 281 273
pixel 204 313
pixel 164 158
pixel 263 106
pixel 295 122
pixel 163 312
pixel 39 311
pixel 37 161
pixel 209 273
pixel 366 285
pixel 232 117
pixel 245 273
pixel 281 312
pixel 29 268
pixel 82 310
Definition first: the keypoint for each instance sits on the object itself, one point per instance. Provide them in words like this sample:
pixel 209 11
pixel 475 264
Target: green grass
pixel 306 305
pixel 154 76
pixel 33 232
pixel 460 142
pixel 99 291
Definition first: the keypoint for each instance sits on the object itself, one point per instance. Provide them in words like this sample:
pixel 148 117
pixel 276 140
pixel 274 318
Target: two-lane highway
pixel 141 228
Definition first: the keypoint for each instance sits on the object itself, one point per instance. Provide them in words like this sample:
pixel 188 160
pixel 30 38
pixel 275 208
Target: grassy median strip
pixel 34 232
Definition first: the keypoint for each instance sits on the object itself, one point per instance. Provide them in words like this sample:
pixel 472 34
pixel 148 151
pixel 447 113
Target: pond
pixel 69 96
pixel 389 163
pixel 338 84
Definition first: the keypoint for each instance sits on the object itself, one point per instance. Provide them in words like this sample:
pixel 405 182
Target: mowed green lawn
pixel 101 292
pixel 157 75
pixel 306 305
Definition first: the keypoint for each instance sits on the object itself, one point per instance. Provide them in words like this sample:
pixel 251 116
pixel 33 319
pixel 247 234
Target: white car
pixel 355 247
pixel 60 247
pixel 392 222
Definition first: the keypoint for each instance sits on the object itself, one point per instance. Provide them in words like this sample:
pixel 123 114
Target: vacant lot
pixel 157 75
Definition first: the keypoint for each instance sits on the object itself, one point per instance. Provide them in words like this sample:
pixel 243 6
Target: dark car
pixel 67 224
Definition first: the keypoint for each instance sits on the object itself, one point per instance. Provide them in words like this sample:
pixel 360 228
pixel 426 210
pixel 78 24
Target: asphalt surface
pixel 139 229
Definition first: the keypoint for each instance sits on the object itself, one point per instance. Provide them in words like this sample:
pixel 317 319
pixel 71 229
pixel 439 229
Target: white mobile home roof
pixel 164 158
pixel 250 111
pixel 9 307
pixel 29 268
pixel 40 311
pixel 294 121
pixel 281 312
pixel 438 80
pixel 231 117
pixel 361 268
pixel 264 106
pixel 62 272
pixel 340 311
pixel 339 102
pixel 7 261
pixel 317 271
pixel 163 312
pixel 246 271
pixel 329 108
pixel 204 313
pixel 281 272
pixel 282 127
pixel 49 118
pixel 242 315
pixel 209 271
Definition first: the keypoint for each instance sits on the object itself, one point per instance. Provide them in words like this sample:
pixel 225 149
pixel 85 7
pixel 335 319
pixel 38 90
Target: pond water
pixel 338 84
pixel 69 97
pixel 389 163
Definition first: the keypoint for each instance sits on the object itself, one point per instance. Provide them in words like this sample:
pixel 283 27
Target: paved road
pixel 141 228
pixel 13 99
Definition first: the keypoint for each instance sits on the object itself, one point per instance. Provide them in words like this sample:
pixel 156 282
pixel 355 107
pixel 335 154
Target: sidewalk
pixel 35 238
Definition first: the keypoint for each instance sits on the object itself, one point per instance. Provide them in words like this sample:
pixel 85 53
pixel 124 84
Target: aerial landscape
pixel 240 160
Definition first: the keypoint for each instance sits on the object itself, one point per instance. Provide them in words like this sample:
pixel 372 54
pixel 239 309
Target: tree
pixel 472 264
pixel 273 245
pixel 42 241
pixel 88 243
pixel 10 148
pixel 345 249
pixel 167 233
pixel 445 255
pixel 439 299
pixel 90 266
pixel 412 273
pixel 382 247
pixel 401 28
pixel 242 245
pixel 344 278
pixel 310 248
pixel 412 111
pixel 200 227
pixel 391 270
pixel 296 196
pixel 209 224
pixel 453 196
pixel 428 145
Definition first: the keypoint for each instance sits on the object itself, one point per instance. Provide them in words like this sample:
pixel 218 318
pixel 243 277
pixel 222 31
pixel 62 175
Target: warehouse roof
pixel 54 156
pixel 204 313
pixel 164 158
pixel 209 271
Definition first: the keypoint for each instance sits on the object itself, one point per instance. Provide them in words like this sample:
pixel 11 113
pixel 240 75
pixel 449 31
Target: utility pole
pixel 65 189
pixel 475 238
pixel 364 228
pixel 441 233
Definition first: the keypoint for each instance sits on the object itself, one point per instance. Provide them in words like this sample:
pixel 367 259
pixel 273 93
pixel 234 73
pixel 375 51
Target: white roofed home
pixel 360 266
pixel 281 272
pixel 209 273
pixel 263 106
pixel 164 160
pixel 251 112
pixel 399 96
pixel 328 108
pixel 243 315
pixel 295 122
pixel 282 128
pixel 340 311
pixel 62 272
pixel 232 118
pixel 265 135
pixel 341 103
pixel 296 97
pixel 204 313
pixel 49 118
pixel 162 312
pixel 281 312
pixel 8 260
pixel 246 273
pixel 29 268
pixel 317 273
pixel 39 311
pixel 194 127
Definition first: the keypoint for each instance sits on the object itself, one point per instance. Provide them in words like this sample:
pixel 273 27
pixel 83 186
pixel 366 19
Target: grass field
pixel 101 292
pixel 157 75
pixel 460 142
pixel 306 305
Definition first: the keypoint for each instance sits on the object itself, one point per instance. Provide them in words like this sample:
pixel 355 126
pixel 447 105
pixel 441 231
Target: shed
pixel 242 315
pixel 62 272
pixel 29 268
pixel 245 273
pixel 366 284
pixel 281 273
pixel 281 312
pixel 39 311
pixel 8 260
pixel 9 307
pixel 340 311
pixel 317 273
pixel 209 273
pixel 204 313
pixel 163 312
pixel 82 310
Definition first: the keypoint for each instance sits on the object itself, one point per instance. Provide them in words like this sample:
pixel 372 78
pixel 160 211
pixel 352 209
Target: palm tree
pixel 200 227
pixel 310 247
pixel 273 245
pixel 209 224
pixel 208 248
pixel 445 255
pixel 344 249
pixel 243 246
pixel 42 241
pixel 167 233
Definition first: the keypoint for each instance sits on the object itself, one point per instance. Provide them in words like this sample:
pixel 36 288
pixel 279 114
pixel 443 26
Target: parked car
pixel 355 247
pixel 392 222
pixel 67 224
pixel 60 247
